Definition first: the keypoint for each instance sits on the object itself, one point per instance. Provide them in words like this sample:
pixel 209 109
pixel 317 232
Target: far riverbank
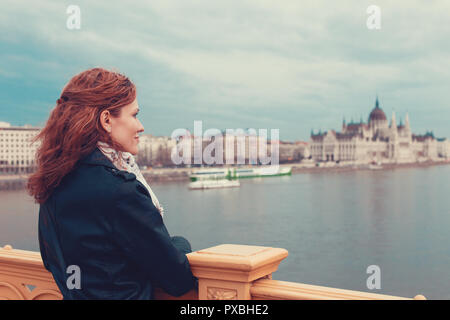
pixel 155 175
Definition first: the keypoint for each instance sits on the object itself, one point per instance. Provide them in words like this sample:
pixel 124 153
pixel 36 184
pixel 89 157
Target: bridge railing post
pixel 226 272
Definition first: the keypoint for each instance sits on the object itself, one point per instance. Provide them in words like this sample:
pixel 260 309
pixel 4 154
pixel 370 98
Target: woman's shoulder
pixel 94 175
pixel 97 162
pixel 102 176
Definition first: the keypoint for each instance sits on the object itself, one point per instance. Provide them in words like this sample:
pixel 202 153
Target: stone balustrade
pixel 225 272
pixel 23 276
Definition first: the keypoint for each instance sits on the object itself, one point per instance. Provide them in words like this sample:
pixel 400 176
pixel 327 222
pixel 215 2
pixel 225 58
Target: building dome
pixel 377 113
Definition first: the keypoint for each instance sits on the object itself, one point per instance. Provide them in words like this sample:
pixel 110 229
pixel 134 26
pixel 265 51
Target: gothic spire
pixel 393 121
pixel 407 121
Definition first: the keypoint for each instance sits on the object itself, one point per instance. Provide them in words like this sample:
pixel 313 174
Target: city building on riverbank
pixel 443 147
pixel 237 147
pixel 154 151
pixel 223 147
pixel 17 155
pixel 377 141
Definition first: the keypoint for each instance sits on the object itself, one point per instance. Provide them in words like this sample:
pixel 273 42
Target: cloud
pixel 247 57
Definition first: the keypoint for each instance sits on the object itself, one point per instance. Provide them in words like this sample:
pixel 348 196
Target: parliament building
pixel 377 142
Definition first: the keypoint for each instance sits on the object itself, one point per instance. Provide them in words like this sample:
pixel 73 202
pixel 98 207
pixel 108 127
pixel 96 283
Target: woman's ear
pixel 105 120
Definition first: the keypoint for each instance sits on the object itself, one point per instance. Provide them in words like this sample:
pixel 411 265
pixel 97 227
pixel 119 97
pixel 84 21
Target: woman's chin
pixel 132 150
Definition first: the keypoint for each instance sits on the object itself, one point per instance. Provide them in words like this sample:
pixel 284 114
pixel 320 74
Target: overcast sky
pixel 287 65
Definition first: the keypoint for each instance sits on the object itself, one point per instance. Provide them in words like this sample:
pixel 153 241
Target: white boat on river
pixel 213 184
pixel 239 173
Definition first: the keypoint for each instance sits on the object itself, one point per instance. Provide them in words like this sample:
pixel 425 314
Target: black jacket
pixel 103 221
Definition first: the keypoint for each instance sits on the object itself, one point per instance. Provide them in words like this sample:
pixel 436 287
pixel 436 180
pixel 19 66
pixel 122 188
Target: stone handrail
pixel 266 289
pixel 224 272
pixel 23 276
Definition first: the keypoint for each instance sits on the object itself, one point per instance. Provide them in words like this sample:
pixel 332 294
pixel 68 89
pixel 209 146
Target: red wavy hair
pixel 73 128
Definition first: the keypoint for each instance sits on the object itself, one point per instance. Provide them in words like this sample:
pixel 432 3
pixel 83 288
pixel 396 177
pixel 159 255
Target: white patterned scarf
pixel 128 163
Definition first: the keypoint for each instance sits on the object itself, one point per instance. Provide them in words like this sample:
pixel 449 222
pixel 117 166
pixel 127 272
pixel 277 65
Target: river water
pixel 334 225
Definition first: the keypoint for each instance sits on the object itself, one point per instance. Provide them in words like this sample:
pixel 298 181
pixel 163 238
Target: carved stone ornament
pixel 221 294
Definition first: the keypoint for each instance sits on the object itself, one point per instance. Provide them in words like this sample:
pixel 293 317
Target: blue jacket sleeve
pixel 139 231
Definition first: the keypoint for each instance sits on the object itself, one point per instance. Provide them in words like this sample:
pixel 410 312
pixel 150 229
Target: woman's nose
pixel 141 127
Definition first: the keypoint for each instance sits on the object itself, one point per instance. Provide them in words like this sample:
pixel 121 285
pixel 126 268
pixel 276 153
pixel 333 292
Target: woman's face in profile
pixel 125 128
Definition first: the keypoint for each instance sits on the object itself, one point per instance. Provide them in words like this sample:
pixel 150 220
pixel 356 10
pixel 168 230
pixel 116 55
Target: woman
pixel 101 232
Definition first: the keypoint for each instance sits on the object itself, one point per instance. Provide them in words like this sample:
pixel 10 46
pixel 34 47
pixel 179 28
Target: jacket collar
pixel 97 157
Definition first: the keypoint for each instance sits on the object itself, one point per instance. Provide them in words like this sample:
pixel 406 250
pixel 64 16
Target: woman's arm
pixel 139 231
